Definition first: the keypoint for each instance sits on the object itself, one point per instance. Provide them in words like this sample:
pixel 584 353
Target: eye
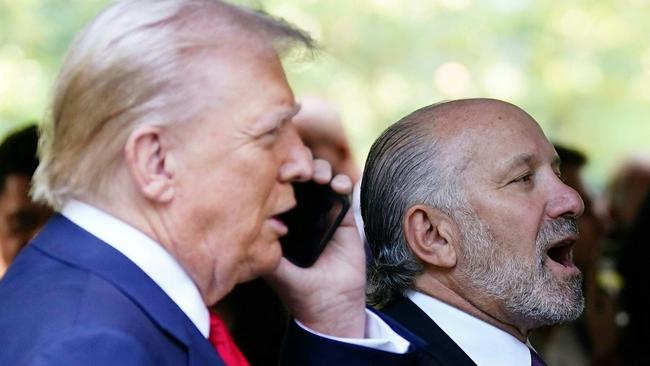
pixel 272 132
pixel 277 128
pixel 525 179
pixel 271 135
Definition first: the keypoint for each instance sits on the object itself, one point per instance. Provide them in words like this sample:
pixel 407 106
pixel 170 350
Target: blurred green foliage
pixel 580 67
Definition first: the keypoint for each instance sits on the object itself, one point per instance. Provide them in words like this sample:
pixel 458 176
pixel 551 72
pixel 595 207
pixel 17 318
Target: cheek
pixel 514 227
pixel 248 194
pixel 248 220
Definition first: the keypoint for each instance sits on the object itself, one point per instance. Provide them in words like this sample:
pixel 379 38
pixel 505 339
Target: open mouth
pixel 280 220
pixel 562 253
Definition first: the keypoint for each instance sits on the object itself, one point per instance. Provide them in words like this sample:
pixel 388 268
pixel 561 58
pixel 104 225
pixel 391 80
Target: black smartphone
pixel 318 212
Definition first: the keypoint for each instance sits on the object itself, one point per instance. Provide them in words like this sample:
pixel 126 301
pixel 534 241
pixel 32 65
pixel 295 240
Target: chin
pixel 266 261
pixel 274 260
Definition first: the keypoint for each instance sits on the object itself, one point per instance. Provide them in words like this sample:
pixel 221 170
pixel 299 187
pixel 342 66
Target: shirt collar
pixel 147 254
pixel 484 343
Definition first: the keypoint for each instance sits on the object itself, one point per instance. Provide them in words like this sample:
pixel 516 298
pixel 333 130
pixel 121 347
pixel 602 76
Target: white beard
pixel 529 292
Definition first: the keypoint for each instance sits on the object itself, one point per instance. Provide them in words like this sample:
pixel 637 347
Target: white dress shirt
pixel 167 273
pixel 484 343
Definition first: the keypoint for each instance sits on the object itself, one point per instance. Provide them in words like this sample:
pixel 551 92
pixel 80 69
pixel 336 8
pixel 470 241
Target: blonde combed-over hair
pixel 132 66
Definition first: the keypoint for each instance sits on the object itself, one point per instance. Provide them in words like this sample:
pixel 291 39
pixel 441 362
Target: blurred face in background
pixel 20 218
pixel 321 129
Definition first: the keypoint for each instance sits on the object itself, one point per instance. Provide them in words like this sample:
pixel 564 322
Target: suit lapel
pixel 439 345
pixel 69 243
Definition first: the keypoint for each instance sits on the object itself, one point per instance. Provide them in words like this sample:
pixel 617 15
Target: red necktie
pixel 223 343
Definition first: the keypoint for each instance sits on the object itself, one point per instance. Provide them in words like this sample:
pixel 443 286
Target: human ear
pixel 431 235
pixel 150 163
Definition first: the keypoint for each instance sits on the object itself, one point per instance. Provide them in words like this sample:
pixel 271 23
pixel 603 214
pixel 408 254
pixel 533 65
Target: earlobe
pixel 150 163
pixel 429 234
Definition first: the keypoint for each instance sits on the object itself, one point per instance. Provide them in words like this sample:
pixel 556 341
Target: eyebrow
pixel 515 161
pixel 287 114
pixel 277 118
pixel 524 160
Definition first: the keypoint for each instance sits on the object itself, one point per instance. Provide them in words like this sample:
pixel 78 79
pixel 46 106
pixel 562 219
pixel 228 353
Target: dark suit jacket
pixel 71 299
pixel 438 346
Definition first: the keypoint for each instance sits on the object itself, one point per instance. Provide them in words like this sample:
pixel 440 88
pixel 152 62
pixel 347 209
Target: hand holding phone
pixel 329 296
pixel 318 212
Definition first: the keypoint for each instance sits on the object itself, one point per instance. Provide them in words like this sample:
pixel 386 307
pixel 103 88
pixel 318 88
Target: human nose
pixel 298 166
pixel 565 201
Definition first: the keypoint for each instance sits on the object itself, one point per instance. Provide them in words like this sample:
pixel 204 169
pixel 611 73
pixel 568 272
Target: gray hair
pixel 135 64
pixel 407 165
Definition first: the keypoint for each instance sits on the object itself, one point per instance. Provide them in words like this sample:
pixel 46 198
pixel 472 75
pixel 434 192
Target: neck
pixel 154 223
pixel 483 309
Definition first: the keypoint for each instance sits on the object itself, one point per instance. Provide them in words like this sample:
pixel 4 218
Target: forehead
pixel 496 138
pixel 238 69
pixel 242 85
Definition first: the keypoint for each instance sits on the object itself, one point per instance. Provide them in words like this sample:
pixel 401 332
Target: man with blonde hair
pixel 170 155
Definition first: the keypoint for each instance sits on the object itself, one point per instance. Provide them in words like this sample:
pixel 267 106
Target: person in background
pixel 471 229
pixel 20 217
pixel 625 192
pixel 624 252
pixel 321 128
pixel 634 297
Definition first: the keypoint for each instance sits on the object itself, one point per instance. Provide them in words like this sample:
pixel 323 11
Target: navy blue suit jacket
pixel 71 299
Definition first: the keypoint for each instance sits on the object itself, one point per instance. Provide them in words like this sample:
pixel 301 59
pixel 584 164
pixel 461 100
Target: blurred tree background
pixel 580 67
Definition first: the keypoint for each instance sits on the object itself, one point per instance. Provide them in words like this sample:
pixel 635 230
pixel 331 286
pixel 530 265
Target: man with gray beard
pixel 472 231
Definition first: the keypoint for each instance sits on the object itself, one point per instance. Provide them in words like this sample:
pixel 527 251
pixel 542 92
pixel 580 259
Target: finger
pixel 322 171
pixel 342 184
pixel 346 246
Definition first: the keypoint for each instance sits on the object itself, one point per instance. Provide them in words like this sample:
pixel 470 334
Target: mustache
pixel 556 230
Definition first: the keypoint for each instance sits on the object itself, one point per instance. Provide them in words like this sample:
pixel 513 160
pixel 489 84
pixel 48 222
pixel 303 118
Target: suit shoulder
pixel 42 300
